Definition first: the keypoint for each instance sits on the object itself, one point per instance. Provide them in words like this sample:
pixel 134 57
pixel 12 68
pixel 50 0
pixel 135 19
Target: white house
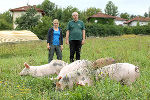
pixel 95 18
pixel 18 12
pixel 99 15
pixel 119 21
pixel 140 20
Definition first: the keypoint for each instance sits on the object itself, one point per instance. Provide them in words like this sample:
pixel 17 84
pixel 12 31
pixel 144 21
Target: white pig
pixel 53 67
pixel 122 72
pixel 77 72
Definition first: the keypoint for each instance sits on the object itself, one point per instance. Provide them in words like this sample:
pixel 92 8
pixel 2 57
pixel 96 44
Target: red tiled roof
pixel 25 8
pixel 138 19
pixel 101 15
pixel 120 19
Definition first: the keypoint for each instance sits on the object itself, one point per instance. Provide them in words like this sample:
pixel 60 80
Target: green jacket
pixel 75 30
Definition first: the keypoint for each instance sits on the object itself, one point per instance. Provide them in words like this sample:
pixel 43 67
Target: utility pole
pixel 149 12
pixel 27 2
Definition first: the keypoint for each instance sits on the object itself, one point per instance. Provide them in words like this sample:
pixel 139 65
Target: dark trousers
pixel 75 48
pixel 57 49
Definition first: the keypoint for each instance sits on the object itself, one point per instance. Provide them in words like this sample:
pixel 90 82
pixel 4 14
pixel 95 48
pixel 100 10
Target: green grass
pixel 128 48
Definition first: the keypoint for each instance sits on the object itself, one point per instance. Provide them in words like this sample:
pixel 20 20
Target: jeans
pixel 75 48
pixel 57 49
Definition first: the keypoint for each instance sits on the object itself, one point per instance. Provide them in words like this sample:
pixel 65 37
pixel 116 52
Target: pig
pixel 77 72
pixel 73 78
pixel 103 62
pixel 53 67
pixel 73 67
pixel 121 72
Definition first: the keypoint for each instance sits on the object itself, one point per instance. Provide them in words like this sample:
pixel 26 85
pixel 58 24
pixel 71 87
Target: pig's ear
pixel 59 78
pixel 26 65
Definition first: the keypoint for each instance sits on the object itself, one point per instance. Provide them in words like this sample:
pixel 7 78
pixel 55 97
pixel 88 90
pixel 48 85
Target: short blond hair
pixel 55 21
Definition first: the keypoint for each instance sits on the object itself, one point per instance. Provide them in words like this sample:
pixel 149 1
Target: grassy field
pixel 127 48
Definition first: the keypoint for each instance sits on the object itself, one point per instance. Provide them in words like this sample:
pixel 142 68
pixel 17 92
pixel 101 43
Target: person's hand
pixel 61 47
pixel 83 42
pixel 48 47
pixel 67 41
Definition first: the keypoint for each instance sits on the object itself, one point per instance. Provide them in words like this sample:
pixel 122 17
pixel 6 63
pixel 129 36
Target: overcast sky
pixel 136 7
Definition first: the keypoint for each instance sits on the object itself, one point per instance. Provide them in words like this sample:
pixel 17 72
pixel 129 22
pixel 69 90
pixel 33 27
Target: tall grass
pixel 127 48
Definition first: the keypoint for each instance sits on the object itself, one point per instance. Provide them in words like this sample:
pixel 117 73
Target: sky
pixel 135 7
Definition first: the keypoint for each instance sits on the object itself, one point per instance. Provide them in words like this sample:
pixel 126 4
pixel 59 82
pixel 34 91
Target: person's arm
pixel 61 44
pixel 48 39
pixel 67 37
pixel 61 47
pixel 83 37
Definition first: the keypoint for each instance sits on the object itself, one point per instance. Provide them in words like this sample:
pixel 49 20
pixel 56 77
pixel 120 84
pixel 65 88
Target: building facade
pixel 18 12
pixel 138 20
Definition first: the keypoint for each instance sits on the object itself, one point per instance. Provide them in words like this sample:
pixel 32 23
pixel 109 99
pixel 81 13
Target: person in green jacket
pixel 75 36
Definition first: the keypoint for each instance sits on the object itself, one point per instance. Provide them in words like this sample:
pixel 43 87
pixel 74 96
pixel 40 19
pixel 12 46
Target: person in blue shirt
pixel 55 41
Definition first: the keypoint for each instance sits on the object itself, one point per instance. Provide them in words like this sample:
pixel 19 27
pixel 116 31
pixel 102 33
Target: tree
pixel 132 16
pixel 7 16
pixel 41 29
pixel 6 21
pixel 145 14
pixel 4 25
pixel 58 13
pixel 83 16
pixel 125 15
pixel 48 7
pixel 91 11
pixel 138 23
pixel 111 9
pixel 67 13
pixel 28 20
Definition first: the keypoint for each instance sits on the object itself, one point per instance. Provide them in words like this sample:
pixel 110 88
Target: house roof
pixel 120 19
pixel 25 8
pixel 101 15
pixel 143 19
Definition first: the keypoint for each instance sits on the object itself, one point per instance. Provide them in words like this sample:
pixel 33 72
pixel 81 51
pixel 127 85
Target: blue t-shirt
pixel 56 36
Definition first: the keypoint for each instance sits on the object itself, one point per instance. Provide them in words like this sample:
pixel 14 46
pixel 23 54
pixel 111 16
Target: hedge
pixel 103 30
pixel 100 30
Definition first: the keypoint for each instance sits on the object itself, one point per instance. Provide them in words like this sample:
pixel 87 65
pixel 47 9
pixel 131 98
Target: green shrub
pixel 28 20
pixel 4 25
pixel 63 26
pixel 147 29
pixel 41 29
pixel 138 30
pixel 102 30
pixel 127 30
pixel 93 29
